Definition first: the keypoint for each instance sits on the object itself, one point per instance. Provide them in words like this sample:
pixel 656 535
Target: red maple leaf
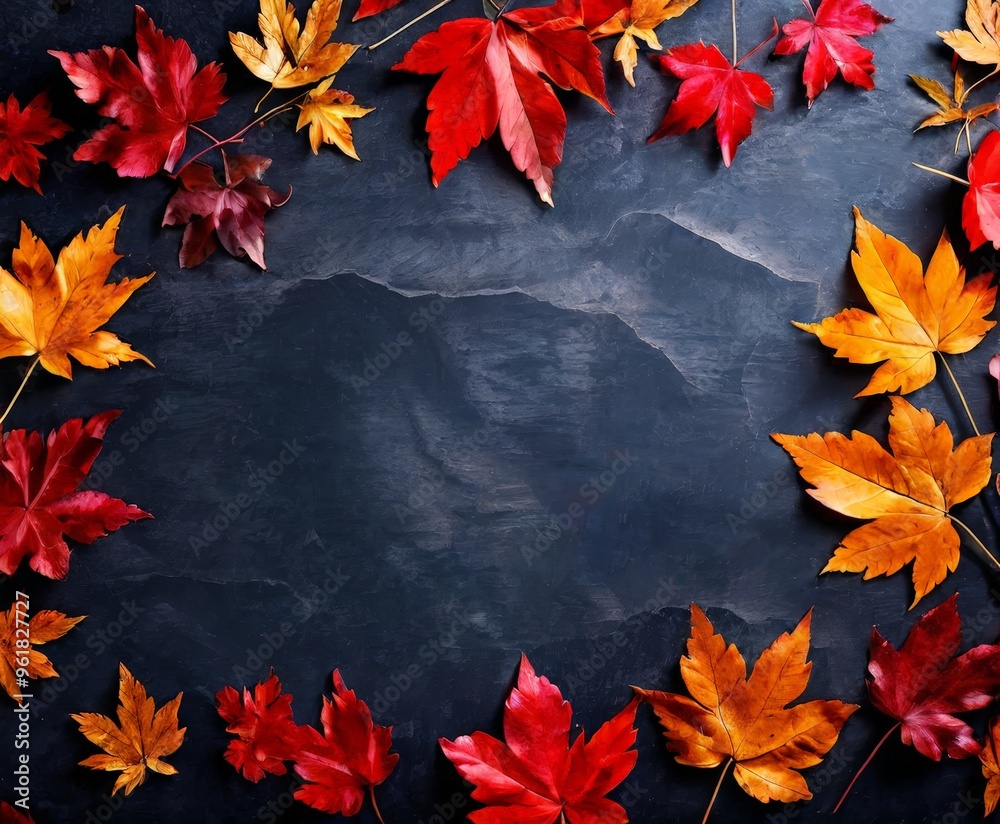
pixel 152 103
pixel 921 685
pixel 268 734
pixel 491 76
pixel 20 131
pixel 711 84
pixel 233 212
pixel 536 776
pixel 38 504
pixel 981 206
pixel 829 33
pixel 369 8
pixel 351 757
pixel 10 815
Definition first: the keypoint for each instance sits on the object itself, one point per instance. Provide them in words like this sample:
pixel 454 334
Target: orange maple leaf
pixel 734 720
pixel 909 492
pixel 54 308
pixel 991 765
pixel 44 626
pixel 915 316
pixel 139 740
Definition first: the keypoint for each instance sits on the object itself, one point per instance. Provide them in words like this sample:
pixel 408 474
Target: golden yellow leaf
pixel 951 107
pixel 909 492
pixel 290 55
pixel 991 766
pixel 53 308
pixel 732 719
pixel 915 316
pixel 42 627
pixel 139 740
pixel 639 21
pixel 981 43
pixel 327 111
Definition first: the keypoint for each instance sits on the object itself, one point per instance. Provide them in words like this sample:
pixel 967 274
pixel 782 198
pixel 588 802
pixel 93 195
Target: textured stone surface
pixel 421 516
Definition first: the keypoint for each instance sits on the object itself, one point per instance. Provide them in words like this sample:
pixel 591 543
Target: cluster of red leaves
pixel 338 766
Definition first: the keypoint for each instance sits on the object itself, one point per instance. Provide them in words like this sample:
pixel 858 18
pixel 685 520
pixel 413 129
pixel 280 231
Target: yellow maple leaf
pixel 906 494
pixel 746 723
pixel 981 43
pixel 44 626
pixel 991 766
pixel 916 314
pixel 327 111
pixel 291 55
pixel 951 107
pixel 54 308
pixel 639 21
pixel 140 739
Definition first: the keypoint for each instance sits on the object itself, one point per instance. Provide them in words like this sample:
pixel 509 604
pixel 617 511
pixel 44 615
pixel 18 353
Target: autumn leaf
pixel 233 212
pixel 991 765
pixel 491 76
pixel 638 21
pixel 267 735
pixel 21 130
pixel 38 501
pixel 139 741
pixel 369 8
pixel 327 113
pixel 350 758
pixel 42 626
pixel 12 815
pixel 922 685
pixel 711 85
pixel 981 43
pixel 292 55
pixel 732 720
pixel 981 205
pixel 152 103
pixel 916 314
pixel 830 34
pixel 907 494
pixel 55 308
pixel 535 774
pixel 951 107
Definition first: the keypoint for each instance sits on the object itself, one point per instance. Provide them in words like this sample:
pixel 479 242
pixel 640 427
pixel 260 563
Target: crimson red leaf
pixel 267 733
pixel 829 34
pixel 350 758
pixel 20 131
pixel 234 212
pixel 921 685
pixel 536 776
pixel 11 815
pixel 491 76
pixel 38 501
pixel 152 103
pixel 712 85
pixel 369 8
pixel 981 207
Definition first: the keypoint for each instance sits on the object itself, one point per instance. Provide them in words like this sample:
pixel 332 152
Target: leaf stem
pixel 975 538
pixel 735 53
pixel 20 389
pixel 378 812
pixel 200 130
pixel 868 760
pixel 715 795
pixel 993 73
pixel 416 19
pixel 257 107
pixel 934 171
pixel 961 394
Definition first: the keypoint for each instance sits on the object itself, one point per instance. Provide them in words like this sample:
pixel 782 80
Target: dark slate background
pixel 646 317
